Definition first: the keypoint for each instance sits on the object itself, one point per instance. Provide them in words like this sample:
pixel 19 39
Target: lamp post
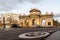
pixel 58 24
pixel 4 25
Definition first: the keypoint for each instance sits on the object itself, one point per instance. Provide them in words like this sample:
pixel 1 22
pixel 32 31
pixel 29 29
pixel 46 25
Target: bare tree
pixel 11 20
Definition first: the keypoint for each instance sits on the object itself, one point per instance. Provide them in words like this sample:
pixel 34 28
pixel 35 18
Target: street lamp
pixel 58 24
pixel 4 25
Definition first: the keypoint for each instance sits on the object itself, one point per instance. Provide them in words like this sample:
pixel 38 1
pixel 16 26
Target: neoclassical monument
pixel 35 18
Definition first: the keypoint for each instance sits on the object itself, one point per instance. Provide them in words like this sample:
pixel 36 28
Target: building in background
pixel 8 19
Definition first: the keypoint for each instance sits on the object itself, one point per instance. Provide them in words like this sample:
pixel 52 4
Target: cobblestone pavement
pixel 12 33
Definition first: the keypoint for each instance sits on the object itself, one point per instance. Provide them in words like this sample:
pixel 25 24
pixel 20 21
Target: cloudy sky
pixel 23 6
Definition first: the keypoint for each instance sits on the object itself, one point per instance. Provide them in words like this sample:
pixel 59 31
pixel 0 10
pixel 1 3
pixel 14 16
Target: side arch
pixel 34 22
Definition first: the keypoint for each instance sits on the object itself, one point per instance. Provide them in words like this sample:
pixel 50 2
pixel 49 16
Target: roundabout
pixel 33 35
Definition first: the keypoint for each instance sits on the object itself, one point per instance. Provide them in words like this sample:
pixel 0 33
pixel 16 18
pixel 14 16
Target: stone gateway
pixel 35 18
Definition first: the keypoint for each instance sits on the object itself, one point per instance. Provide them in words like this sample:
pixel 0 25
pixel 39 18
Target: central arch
pixel 43 22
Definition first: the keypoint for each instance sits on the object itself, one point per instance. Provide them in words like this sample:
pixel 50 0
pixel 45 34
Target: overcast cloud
pixel 23 6
pixel 7 5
